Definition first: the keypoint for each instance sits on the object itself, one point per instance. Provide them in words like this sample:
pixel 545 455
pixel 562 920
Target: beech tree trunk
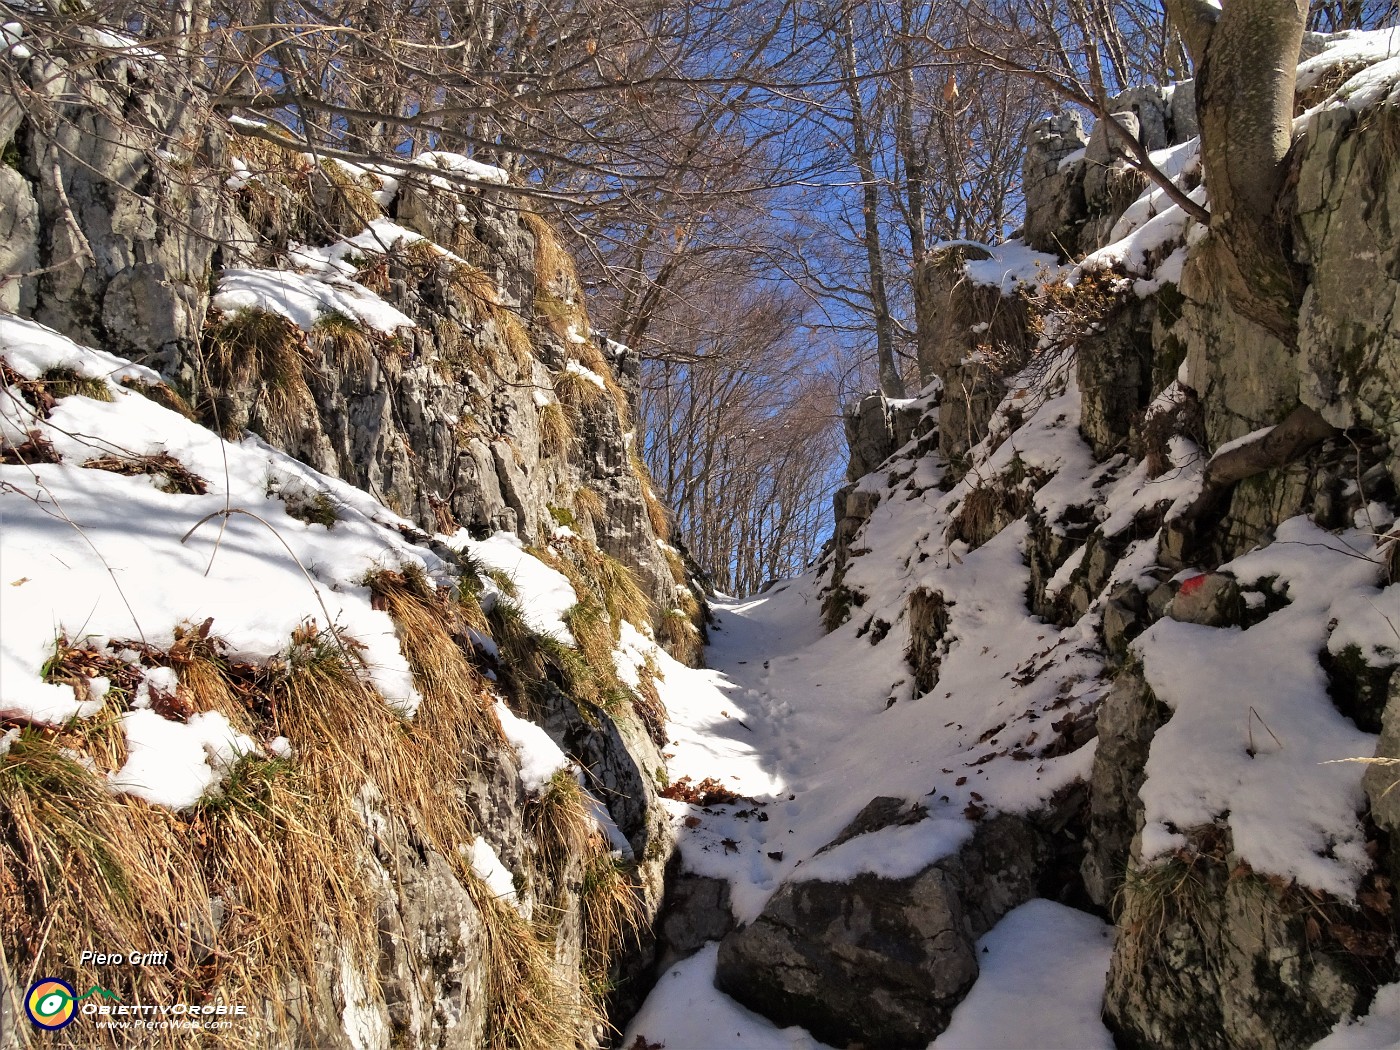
pixel 1246 57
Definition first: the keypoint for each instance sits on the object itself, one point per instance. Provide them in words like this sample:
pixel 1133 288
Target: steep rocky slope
pixel 1144 629
pixel 335 589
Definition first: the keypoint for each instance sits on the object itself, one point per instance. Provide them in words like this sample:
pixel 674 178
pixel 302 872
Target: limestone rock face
pixel 1055 207
pixel 129 238
pixel 1349 329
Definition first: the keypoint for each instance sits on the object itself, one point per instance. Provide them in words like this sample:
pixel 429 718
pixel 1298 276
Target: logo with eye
pixel 50 1004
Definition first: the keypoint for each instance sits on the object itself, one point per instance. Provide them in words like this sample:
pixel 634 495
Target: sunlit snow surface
pixel 103 559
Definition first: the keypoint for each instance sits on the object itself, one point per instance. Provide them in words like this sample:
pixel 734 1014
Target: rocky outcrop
pixel 882 961
pixel 448 423
pixel 876 428
pixel 1209 952
pixel 1077 186
pixel 118 219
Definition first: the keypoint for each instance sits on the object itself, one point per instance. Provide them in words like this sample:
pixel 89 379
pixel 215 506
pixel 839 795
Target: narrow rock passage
pixel 802 723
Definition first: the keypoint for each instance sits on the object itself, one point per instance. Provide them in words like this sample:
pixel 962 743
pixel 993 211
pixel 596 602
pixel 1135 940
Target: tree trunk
pixel 1246 59
pixel 890 383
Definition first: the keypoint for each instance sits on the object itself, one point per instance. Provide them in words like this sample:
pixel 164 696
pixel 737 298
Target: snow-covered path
pixel 802 723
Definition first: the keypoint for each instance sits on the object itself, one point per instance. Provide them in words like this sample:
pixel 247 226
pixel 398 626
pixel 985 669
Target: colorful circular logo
pixel 49 1004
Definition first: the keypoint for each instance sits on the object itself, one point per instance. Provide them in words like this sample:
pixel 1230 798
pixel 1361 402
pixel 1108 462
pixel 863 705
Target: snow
pixel 540 757
pixel 10 35
pixel 1378 1030
pixel 489 869
pixel 1370 86
pixel 1041 984
pixel 793 718
pixel 380 237
pixel 118 42
pixel 1013 264
pixel 1291 803
pixel 1349 50
pixel 455 162
pixel 685 1012
pixel 95 555
pixel 173 765
pixel 618 844
pixel 305 298
pixel 1140 248
pixel 890 853
pixel 544 594
pixel 587 373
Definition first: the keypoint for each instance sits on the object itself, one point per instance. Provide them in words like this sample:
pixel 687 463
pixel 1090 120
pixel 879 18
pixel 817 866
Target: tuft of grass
pixel 162 394
pixel 522 656
pixel 657 514
pixel 678 635
pixel 173 476
pixel 588 503
pixel 987 509
pixel 649 706
pixel 530 1007
pixel 65 382
pixel 503 580
pixel 316 508
pixel 612 584
pixel 457 712
pixel 561 824
pixel 556 430
pixel 1153 896
pixel 265 351
pixel 613 910
pixel 345 202
pixel 577 392
pixel 79 864
pixel 344 342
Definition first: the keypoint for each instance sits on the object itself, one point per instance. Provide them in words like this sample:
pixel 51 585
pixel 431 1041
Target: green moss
pixel 10 156
pixel 563 516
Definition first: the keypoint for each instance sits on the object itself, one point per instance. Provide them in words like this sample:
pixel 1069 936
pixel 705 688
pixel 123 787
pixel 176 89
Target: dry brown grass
pixel 987 509
pixel 578 392
pixel 588 355
pixel 681 638
pixel 613 584
pixel 281 845
pixel 264 351
pixel 162 394
pixel 65 382
pixel 648 704
pixel 657 513
pixel 530 1006
pixel 561 824
pixel 172 475
pixel 587 502
pixel 557 295
pixel 556 429
pixel 609 898
pixel 457 712
pixel 344 342
pixel 80 867
pixel 345 202
pixel 676 564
